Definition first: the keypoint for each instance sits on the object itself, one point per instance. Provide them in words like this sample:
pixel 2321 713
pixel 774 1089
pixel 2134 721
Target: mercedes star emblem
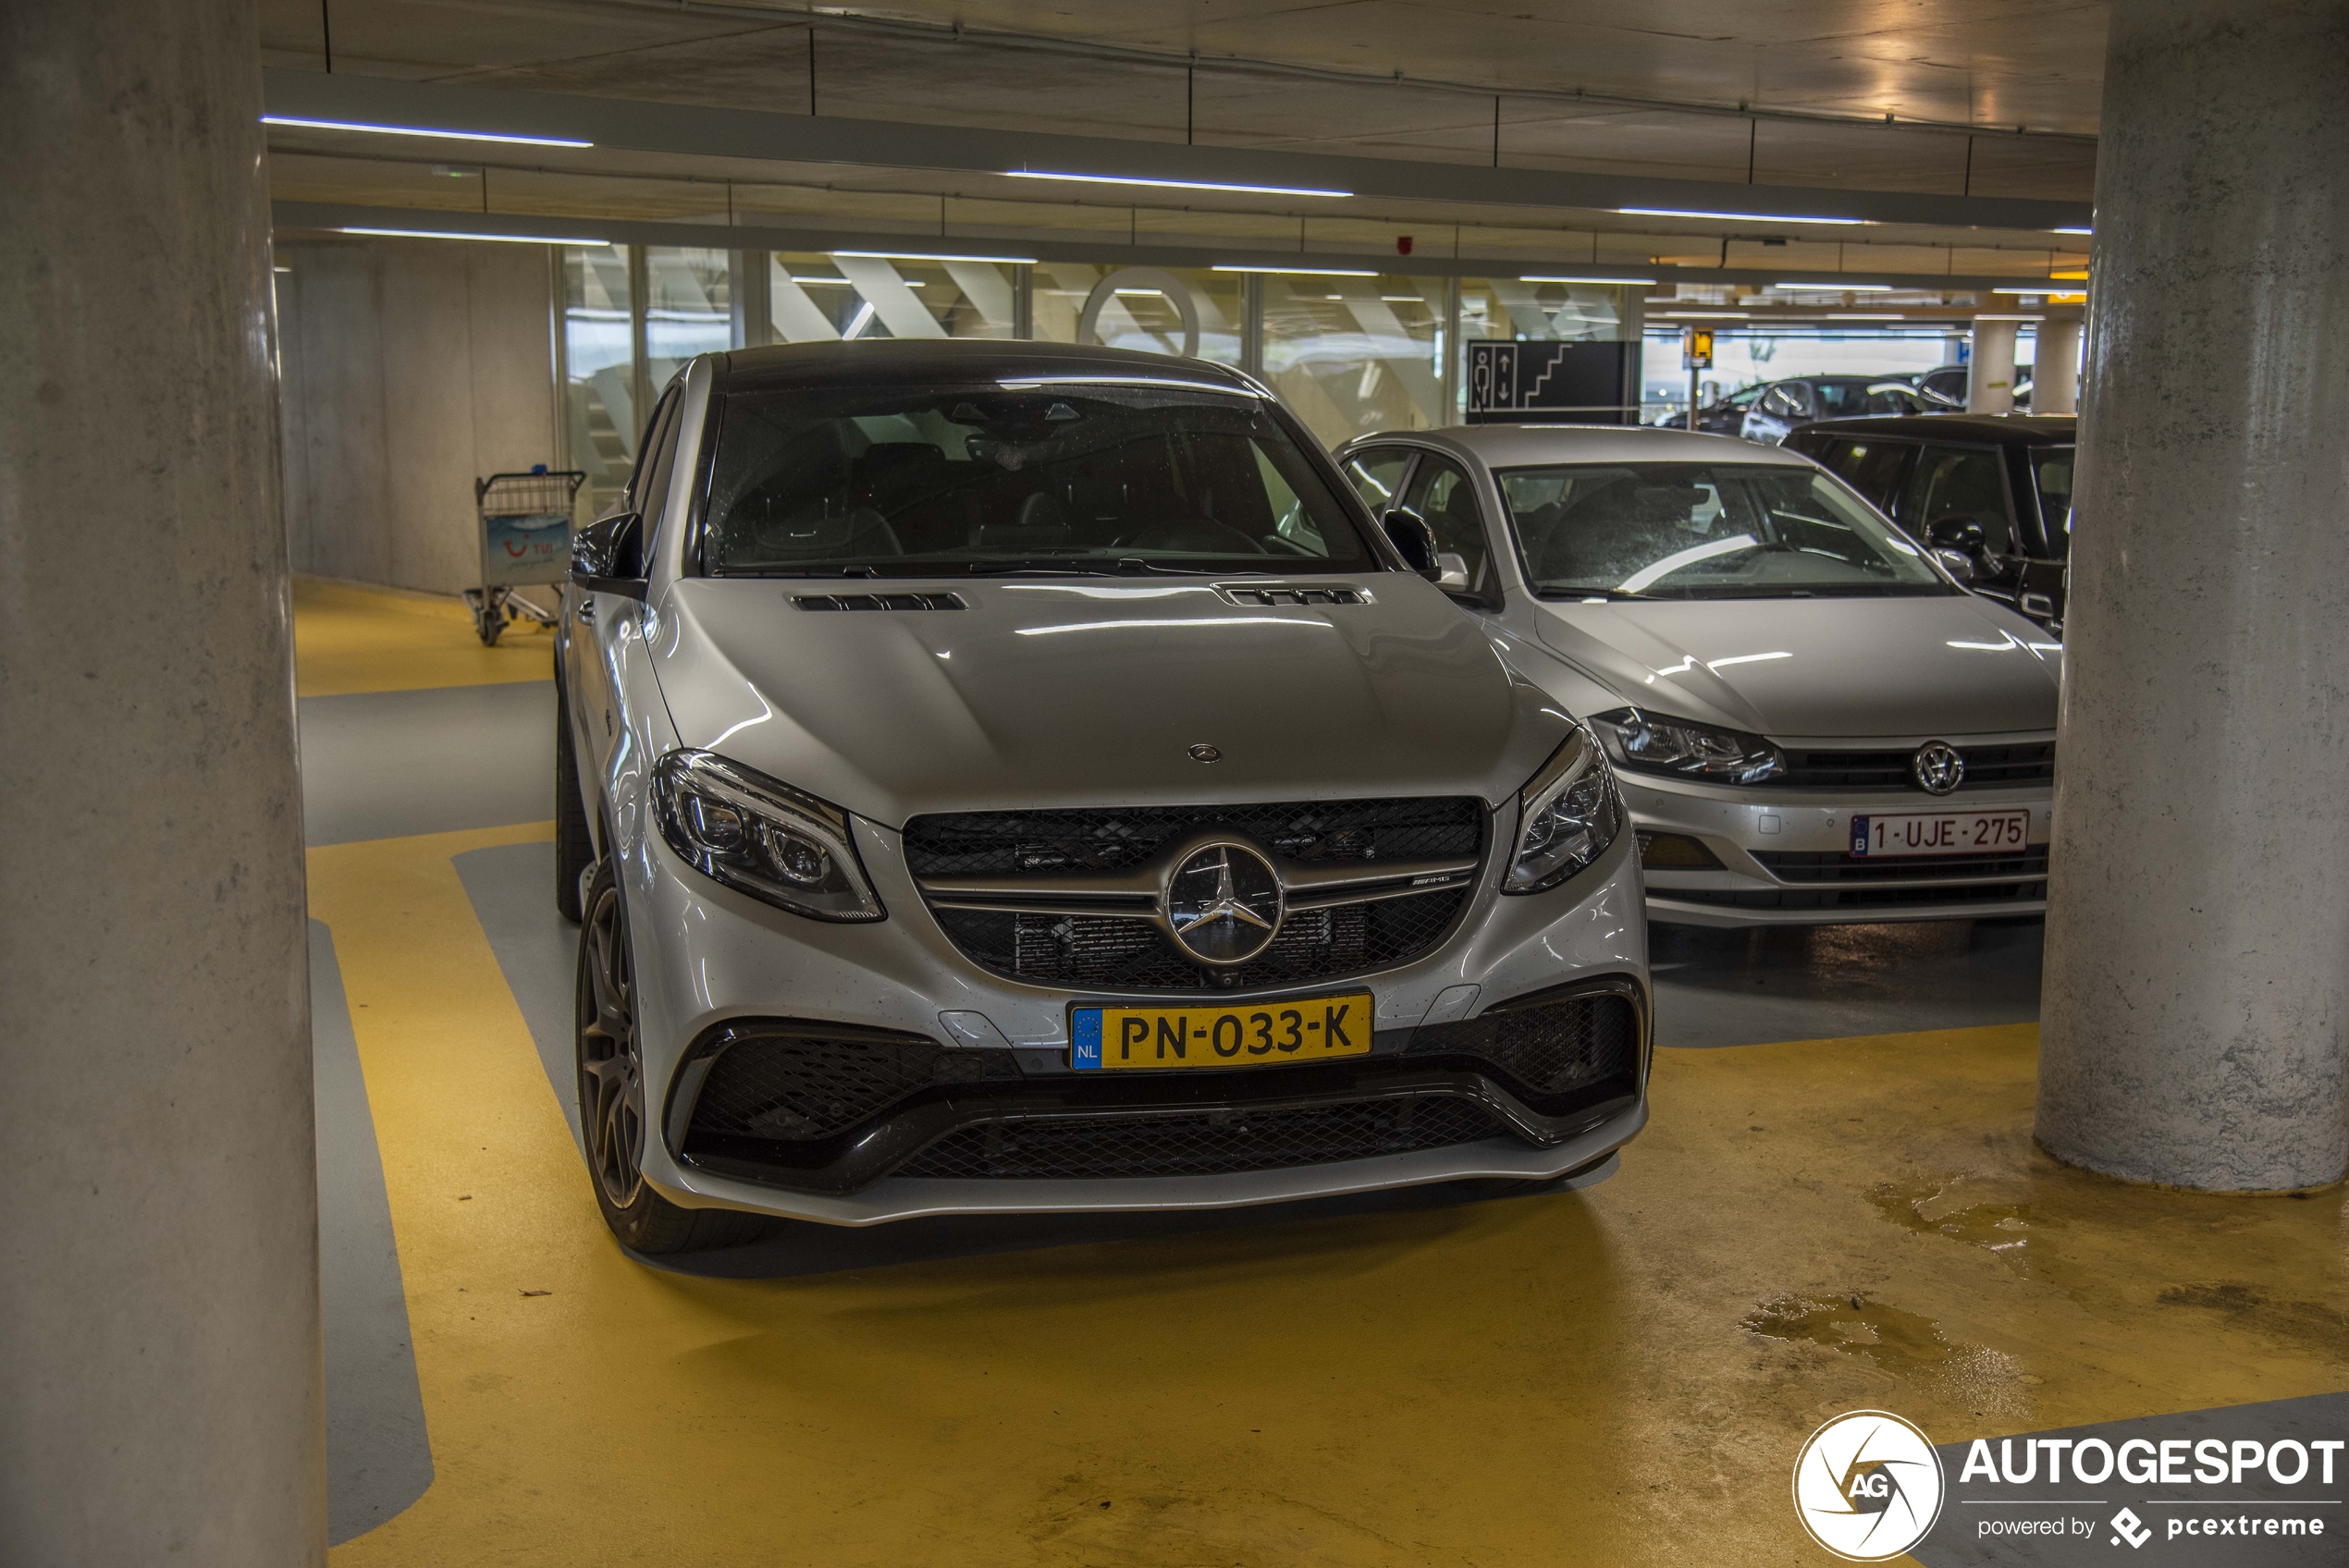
pixel 1224 903
pixel 1939 767
pixel 1203 752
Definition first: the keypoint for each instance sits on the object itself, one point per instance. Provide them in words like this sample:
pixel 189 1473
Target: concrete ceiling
pixel 1765 93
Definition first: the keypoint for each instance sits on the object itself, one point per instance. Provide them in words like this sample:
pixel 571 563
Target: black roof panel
pixel 2018 430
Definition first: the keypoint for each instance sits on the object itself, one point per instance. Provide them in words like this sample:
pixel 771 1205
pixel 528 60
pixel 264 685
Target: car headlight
pixel 1693 751
pixel 1566 816
pixel 758 836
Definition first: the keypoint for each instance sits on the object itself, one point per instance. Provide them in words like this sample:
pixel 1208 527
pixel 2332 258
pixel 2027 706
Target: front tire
pixel 612 1096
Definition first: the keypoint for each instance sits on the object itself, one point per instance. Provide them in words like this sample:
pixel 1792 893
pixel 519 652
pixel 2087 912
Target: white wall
pixel 410 367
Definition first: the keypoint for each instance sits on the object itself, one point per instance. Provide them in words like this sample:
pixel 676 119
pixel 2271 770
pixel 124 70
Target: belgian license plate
pixel 1160 1039
pixel 1945 833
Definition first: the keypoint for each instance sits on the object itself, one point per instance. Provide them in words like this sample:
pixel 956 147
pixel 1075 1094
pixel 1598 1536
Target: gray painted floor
pixel 377 1459
pixel 384 765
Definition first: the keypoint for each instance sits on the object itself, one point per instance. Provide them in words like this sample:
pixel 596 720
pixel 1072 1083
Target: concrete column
pixel 2197 970
pixel 1989 383
pixel 159 1321
pixel 2055 373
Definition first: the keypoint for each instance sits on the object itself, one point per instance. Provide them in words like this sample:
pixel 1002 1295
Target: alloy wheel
pixel 611 1085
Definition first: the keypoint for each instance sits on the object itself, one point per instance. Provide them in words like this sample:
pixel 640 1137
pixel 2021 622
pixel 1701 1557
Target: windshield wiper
pixel 1611 594
pixel 1128 566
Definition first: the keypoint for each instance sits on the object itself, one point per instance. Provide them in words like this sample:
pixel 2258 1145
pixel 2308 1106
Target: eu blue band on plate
pixel 1085 1040
pixel 1859 835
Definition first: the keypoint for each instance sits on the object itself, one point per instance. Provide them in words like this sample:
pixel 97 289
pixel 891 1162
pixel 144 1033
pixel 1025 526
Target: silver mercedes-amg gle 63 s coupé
pixel 1007 777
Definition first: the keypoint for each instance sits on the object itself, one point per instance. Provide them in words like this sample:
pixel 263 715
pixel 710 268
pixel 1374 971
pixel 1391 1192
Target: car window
pixel 648 447
pixel 1782 401
pixel 1836 398
pixel 653 499
pixel 921 479
pixel 1871 466
pixel 1376 474
pixel 2051 469
pixel 1442 496
pixel 1966 481
pixel 1704 530
pixel 1743 398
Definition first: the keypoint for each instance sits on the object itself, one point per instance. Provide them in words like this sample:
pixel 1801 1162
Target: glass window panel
pixel 1377 475
pixel 1352 355
pixel 688 308
pixel 1442 498
pixel 2053 467
pixel 1133 308
pixel 599 369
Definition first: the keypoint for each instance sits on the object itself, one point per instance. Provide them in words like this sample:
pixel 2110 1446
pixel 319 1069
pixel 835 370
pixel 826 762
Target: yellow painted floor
pixel 1616 1375
pixel 350 638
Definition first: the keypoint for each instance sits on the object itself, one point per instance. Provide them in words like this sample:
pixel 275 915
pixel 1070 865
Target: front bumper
pixel 708 961
pixel 1785 857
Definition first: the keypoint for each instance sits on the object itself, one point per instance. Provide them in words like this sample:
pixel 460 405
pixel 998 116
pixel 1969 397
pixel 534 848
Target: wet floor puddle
pixel 1907 1344
pixel 1970 1209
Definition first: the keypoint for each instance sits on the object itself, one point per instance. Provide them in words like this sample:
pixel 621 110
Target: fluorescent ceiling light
pixel 934 256
pixel 1130 293
pixel 423 130
pixel 1704 315
pixel 2054 291
pixel 444 234
pixel 1866 315
pixel 1732 217
pixel 1838 287
pixel 1177 184
pixel 1306 271
pixel 2071 231
pixel 1987 317
pixel 1403 300
pixel 1625 282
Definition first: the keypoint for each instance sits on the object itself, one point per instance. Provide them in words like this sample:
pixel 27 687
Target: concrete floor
pixel 1839 1208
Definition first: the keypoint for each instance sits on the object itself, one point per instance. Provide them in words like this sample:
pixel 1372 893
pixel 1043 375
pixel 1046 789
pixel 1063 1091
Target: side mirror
pixel 1452 571
pixel 1414 540
pixel 1957 563
pixel 608 556
pixel 1958 537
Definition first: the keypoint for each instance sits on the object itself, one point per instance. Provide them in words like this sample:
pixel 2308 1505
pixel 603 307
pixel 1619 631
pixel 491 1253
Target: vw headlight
pixel 1693 751
pixel 758 836
pixel 1567 814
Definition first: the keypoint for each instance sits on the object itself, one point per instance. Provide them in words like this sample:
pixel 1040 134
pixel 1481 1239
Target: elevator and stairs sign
pixel 1552 383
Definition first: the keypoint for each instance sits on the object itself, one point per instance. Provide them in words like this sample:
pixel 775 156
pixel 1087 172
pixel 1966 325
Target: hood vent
pixel 877 602
pixel 1290 594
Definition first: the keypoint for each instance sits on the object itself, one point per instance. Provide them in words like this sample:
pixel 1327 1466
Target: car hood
pixel 1093 692
pixel 1819 668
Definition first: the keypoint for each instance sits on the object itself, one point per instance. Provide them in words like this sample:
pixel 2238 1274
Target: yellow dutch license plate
pixel 1160 1039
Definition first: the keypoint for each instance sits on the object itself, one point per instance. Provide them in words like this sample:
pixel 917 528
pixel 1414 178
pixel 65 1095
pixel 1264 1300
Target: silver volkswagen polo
pixel 1001 777
pixel 1813 721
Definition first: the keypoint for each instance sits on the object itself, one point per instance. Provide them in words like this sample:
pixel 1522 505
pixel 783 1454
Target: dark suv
pixel 1996 488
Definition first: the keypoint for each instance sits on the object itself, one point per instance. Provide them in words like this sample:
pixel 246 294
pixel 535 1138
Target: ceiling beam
pixel 290 217
pixel 695 131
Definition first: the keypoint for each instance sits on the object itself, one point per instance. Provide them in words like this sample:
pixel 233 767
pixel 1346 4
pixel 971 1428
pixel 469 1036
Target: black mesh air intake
pixel 1204 1143
pixel 1555 1057
pixel 774 1082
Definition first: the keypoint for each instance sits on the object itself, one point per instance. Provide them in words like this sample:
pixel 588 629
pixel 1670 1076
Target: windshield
pixel 2052 468
pixel 921 481
pixel 1704 530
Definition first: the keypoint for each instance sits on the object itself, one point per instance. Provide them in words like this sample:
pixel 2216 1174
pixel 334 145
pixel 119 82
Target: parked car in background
pixel 1994 488
pixel 1944 390
pixel 1782 404
pixel 1812 721
pixel 955 738
pixel 1726 417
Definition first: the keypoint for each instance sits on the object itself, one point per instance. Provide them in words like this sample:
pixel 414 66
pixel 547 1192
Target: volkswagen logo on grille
pixel 1939 767
pixel 1224 903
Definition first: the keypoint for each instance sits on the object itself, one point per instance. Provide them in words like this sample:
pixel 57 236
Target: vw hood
pixel 1819 668
pixel 1092 693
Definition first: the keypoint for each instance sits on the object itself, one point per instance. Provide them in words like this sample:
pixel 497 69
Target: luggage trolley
pixel 525 538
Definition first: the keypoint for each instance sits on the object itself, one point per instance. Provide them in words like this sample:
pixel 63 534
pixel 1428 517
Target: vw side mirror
pixel 1414 540
pixel 608 556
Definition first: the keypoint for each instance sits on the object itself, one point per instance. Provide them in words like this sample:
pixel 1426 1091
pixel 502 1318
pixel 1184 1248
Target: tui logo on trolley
pixel 525 548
